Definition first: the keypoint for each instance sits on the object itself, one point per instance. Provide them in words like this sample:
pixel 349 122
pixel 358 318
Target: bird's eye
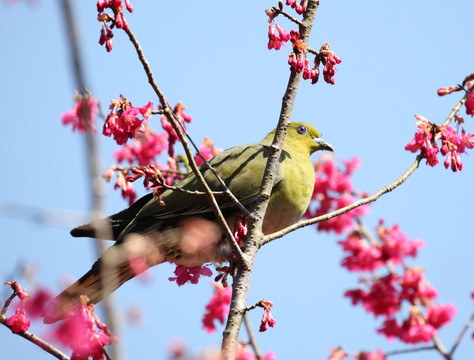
pixel 302 129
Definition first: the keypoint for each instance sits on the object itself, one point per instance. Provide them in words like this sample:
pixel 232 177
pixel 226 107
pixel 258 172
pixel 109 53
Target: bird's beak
pixel 323 145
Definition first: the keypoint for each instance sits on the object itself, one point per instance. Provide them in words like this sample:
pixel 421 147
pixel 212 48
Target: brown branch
pixel 241 281
pixel 406 351
pixel 252 339
pixel 440 347
pixel 461 334
pixel 288 16
pixel 347 208
pixel 97 206
pixel 37 341
pixel 396 183
pixel 178 129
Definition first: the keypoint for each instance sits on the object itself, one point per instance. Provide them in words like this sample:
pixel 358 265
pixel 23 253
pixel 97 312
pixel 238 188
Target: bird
pixel 182 228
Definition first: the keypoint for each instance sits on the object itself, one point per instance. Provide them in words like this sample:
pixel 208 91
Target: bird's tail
pixel 117 265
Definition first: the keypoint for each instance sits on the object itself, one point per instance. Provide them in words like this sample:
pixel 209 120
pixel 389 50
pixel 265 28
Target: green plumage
pixel 184 230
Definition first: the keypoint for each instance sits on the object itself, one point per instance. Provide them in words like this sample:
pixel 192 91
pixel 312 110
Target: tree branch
pixel 37 341
pixel 241 281
pixel 96 183
pixel 461 334
pixel 386 189
pixel 179 131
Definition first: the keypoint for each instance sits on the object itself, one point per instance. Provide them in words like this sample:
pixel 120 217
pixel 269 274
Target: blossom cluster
pixel 207 150
pixel 82 115
pixel 190 274
pixel 385 294
pixel 18 322
pixel 267 320
pixel 123 121
pixel 298 59
pixel 82 330
pixel 126 122
pixel 218 307
pixel 452 143
pixel 467 85
pixel 333 189
pixel 182 118
pixel 85 333
pixel 117 19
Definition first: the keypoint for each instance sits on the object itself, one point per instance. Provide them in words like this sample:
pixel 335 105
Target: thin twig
pixel 241 283
pixel 37 341
pixel 192 192
pixel 178 129
pixel 345 209
pixel 95 181
pixel 288 16
pixel 252 339
pixel 396 183
pixel 406 351
pixel 7 304
pixel 440 347
pixel 461 334
pixel 312 51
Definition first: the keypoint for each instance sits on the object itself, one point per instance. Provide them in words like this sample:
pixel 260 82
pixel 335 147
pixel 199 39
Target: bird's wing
pixel 241 168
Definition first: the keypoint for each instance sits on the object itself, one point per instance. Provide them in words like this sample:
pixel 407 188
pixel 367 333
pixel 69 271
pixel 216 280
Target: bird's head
pixel 303 136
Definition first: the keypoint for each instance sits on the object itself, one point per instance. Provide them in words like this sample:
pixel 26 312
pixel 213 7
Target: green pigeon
pixel 184 230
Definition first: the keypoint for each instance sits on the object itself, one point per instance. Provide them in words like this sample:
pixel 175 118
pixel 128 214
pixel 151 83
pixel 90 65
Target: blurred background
pixel 213 57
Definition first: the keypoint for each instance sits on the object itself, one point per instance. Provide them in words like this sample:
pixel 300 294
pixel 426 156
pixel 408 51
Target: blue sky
pixel 213 58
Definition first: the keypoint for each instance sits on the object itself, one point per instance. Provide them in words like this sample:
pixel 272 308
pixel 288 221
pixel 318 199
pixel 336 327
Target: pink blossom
pixel 376 355
pixel 84 333
pixel 414 330
pixel 333 189
pixel 182 119
pixel 244 353
pixel 415 287
pixel 330 68
pixel 453 145
pixel 240 229
pixel 390 328
pixel 356 295
pixel 361 256
pixel 82 115
pixel 18 290
pixel 19 322
pixel 126 186
pixel 383 297
pixel 191 274
pixel 395 245
pixel 282 34
pixel 123 121
pixel 207 150
pixel 270 355
pixel 274 42
pixel 470 104
pixel 106 35
pixel 267 320
pixel 37 303
pixel 338 354
pixel 218 307
pixel 440 315
pixel 422 141
pixel 144 150
pixel 448 90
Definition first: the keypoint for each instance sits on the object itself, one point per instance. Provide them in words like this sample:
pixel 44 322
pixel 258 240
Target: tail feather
pixel 112 226
pixel 107 274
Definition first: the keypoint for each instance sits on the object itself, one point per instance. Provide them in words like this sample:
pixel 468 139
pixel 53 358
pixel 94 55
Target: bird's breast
pixel 291 196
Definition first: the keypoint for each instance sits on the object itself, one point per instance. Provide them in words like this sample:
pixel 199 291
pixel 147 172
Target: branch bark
pixel 241 283
pixel 95 179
